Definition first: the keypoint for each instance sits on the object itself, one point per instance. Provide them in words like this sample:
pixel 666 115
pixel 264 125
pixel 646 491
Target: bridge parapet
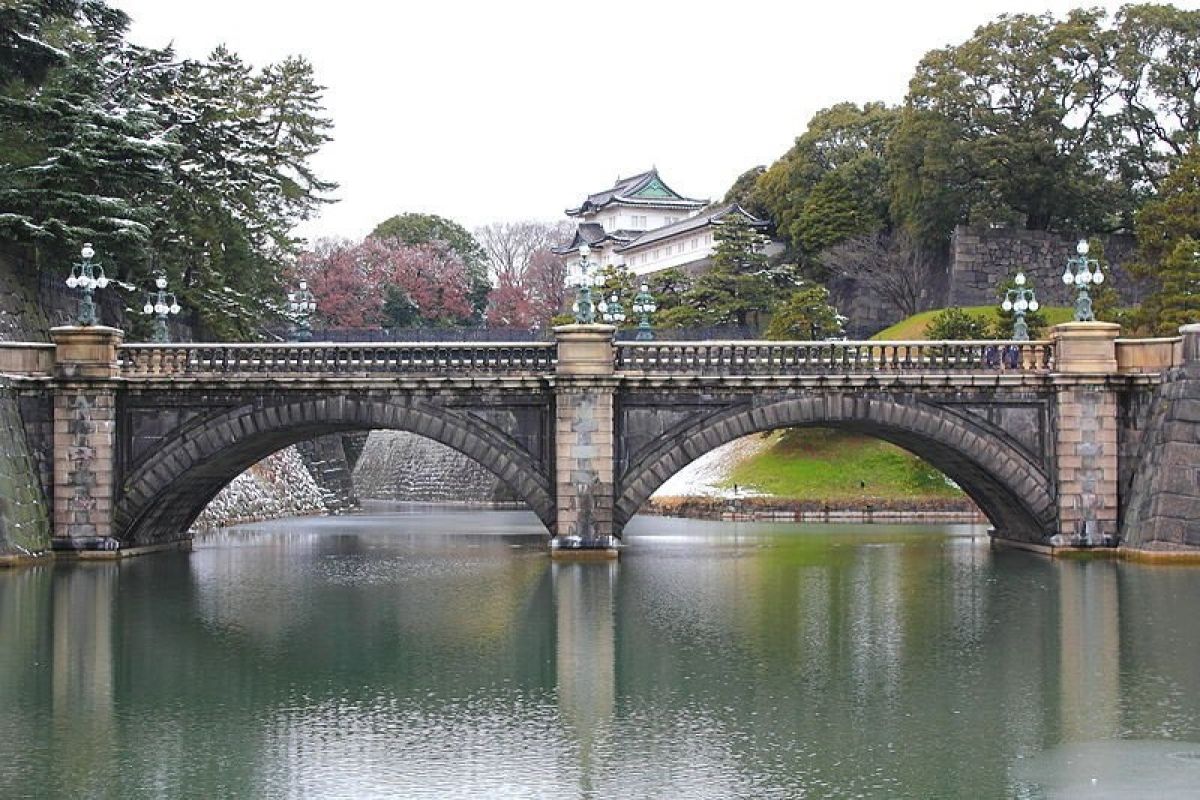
pixel 336 360
pixel 833 357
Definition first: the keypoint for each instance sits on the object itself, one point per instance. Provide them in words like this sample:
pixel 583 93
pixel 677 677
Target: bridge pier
pixel 85 437
pixel 1086 434
pixel 584 482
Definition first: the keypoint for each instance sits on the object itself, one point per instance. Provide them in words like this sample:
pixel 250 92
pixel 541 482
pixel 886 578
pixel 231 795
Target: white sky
pixel 509 109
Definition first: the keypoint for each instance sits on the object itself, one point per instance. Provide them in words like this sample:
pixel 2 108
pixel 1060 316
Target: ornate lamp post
pixel 86 277
pixel 644 306
pixel 584 309
pixel 1019 301
pixel 1083 271
pixel 302 304
pixel 612 311
pixel 161 304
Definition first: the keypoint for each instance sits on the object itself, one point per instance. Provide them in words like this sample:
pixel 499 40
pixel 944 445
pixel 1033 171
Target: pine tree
pixel 1168 233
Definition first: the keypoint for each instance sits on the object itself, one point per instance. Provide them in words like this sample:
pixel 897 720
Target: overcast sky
pixel 507 109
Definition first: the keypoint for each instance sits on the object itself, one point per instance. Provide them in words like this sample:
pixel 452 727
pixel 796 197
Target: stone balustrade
pixel 438 358
pixel 836 357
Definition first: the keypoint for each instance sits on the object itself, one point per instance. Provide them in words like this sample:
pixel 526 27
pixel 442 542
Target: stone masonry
pixel 584 432
pixel 1163 507
pixel 983 259
pixel 584 481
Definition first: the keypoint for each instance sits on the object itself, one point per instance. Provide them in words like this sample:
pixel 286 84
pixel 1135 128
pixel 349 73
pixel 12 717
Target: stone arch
pixel 1010 488
pixel 166 493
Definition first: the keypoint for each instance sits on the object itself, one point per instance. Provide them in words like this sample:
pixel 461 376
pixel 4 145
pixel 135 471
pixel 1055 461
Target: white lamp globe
pixel 102 282
pixel 1022 305
pixel 1067 278
pixel 1020 279
pixel 1098 277
pixel 72 282
pixel 584 251
pixel 87 251
pixel 148 309
pixel 1007 305
pixel 1082 248
pixel 160 308
pixel 1034 305
pixel 303 286
pixel 160 282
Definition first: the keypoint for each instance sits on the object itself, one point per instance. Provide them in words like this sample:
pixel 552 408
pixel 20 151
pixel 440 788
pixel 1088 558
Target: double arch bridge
pixel 133 440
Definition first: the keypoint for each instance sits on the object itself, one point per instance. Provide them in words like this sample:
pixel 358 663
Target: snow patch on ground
pixel 704 476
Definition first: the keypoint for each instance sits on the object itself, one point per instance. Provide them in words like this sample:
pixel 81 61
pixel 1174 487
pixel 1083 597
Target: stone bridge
pixel 1061 443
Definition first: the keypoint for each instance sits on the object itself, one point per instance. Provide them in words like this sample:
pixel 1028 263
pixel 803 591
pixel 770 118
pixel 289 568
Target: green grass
pixel 821 464
pixel 914 326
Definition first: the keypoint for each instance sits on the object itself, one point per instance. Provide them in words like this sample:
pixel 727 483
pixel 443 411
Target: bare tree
pixel 529 278
pixel 888 263
pixel 510 246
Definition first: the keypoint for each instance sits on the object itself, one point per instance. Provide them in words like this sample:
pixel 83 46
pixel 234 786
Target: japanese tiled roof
pixel 643 189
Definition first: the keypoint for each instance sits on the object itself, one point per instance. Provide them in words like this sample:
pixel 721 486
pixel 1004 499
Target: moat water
pixel 440 653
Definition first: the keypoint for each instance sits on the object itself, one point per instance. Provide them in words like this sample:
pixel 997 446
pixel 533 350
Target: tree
pixel 805 315
pixel 742 192
pixel 1168 230
pixel 739 245
pixel 890 264
pixel 1157 61
pixel 380 282
pixel 196 168
pixel 413 228
pixel 956 324
pixel 530 278
pixel 832 184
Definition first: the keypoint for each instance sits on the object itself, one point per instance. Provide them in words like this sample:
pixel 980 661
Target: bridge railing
pixel 350 360
pixel 832 357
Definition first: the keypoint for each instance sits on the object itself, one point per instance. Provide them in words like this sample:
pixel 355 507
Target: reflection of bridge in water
pixel 134 440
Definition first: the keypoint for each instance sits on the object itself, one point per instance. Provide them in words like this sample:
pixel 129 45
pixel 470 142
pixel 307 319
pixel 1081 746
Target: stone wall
pixel 1162 510
pixel 396 465
pixel 984 259
pixel 278 486
pixel 326 460
pixel 24 520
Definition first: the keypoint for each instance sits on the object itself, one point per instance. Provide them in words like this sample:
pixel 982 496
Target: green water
pixel 442 654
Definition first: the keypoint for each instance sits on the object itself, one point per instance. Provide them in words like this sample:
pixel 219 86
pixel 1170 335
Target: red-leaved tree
pixel 358 285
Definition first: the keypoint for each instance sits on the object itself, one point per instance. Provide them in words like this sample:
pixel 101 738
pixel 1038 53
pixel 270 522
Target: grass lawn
pixel 822 464
pixel 914 326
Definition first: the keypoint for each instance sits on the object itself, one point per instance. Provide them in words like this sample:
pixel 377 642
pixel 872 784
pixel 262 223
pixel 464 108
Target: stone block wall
pixel 24 516
pixel 1088 472
pixel 983 259
pixel 325 459
pixel 1163 507
pixel 397 465
pixel 584 479
pixel 84 441
pixel 278 486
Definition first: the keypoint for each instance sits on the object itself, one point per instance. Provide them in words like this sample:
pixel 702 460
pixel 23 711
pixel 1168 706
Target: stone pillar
pixel 85 429
pixel 1086 433
pixel 584 394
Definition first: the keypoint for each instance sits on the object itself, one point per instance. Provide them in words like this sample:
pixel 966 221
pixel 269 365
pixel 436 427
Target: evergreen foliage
pixel 1168 233
pixel 806 315
pixel 956 324
pixel 196 168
